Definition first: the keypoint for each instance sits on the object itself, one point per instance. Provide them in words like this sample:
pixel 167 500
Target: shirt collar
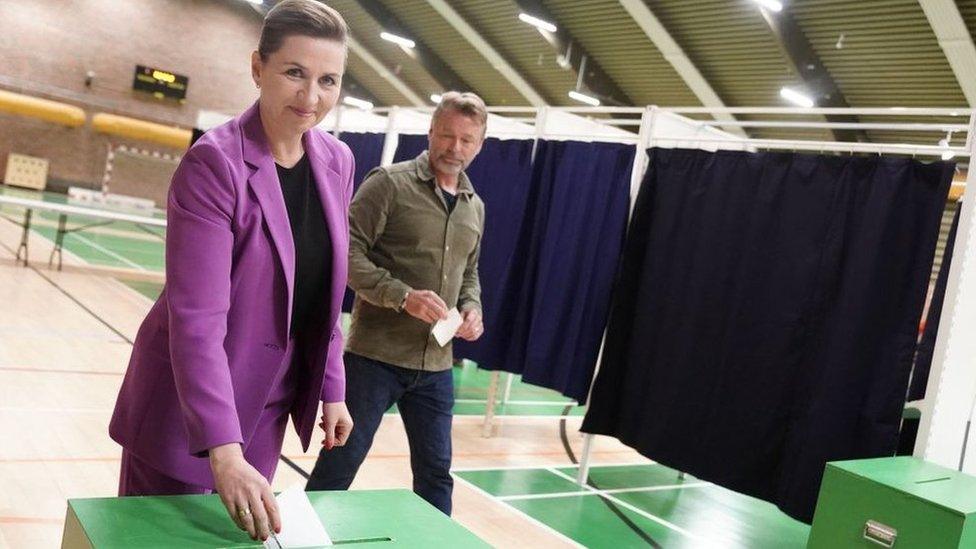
pixel 424 173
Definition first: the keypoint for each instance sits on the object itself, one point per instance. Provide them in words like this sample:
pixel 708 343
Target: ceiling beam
pixel 683 65
pixel 806 64
pixel 595 79
pixel 378 66
pixel 430 61
pixel 497 61
pixel 956 42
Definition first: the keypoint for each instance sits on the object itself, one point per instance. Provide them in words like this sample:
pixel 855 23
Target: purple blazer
pixel 206 356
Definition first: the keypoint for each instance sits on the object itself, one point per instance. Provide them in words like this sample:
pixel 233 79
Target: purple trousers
pixel 138 478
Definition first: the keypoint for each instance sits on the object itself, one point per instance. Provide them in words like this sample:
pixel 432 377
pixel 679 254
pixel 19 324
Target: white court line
pixel 637 510
pixel 108 252
pixel 553 465
pixel 605 492
pixel 525 515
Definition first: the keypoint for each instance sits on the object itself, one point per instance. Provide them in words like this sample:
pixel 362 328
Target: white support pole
pixel 583 473
pixel 392 138
pixel 945 435
pixel 337 128
pixel 541 116
pixel 490 405
pixel 508 388
pixel 645 138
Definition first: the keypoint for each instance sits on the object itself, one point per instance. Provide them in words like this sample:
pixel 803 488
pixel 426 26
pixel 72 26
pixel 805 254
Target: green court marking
pixel 735 520
pixel 631 476
pixel 517 482
pixel 501 410
pixel 589 521
pixel 471 392
pixel 699 516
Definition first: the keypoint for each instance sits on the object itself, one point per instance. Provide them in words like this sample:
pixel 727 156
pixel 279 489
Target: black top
pixel 449 199
pixel 313 247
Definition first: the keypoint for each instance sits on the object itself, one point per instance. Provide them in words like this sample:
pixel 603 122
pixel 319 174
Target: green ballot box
pixel 900 502
pixel 354 519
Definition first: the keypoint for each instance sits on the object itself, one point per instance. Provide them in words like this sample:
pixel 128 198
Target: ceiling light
pixel 537 23
pixel 405 42
pixel 255 2
pixel 796 97
pixel 357 102
pixel 435 97
pixel 773 5
pixel 583 98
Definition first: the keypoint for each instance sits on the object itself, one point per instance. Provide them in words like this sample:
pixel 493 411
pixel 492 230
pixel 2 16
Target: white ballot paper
pixel 300 524
pixel 444 330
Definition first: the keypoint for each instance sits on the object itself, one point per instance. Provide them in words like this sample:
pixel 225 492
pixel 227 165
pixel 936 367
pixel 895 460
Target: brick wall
pixel 47 47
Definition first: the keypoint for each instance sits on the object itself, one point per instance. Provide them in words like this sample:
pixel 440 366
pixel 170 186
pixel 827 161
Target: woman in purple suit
pixel 246 330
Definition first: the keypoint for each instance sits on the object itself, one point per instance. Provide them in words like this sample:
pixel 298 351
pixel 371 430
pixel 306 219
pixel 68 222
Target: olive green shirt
pixel 402 237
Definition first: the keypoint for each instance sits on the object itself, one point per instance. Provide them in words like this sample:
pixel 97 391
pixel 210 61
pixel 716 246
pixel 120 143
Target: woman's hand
pixel 245 493
pixel 337 424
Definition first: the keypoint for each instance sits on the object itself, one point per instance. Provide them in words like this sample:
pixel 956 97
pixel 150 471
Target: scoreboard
pixel 161 84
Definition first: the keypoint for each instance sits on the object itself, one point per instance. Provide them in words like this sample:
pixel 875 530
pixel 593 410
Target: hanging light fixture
pixel 398 40
pixel 796 97
pixel 772 5
pixel 536 22
pixel 583 98
pixel 357 102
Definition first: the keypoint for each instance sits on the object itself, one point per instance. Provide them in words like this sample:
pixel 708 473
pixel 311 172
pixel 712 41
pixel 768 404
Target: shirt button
pixel 447 248
pixel 445 277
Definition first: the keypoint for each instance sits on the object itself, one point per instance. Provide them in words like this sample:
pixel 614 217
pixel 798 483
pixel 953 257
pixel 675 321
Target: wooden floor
pixel 65 339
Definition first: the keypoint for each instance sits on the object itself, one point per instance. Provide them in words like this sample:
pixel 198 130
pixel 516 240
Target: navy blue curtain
pixel 926 347
pixel 766 314
pixel 548 315
pixel 367 150
pixel 502 176
pixel 409 146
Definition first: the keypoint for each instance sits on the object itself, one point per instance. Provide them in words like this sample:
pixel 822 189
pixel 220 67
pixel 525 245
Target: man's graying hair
pixel 467 103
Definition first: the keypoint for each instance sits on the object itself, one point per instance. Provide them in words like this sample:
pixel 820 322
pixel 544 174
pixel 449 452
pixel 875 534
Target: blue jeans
pixel 425 401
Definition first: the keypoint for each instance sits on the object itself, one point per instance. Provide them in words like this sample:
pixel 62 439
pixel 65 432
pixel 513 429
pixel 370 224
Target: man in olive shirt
pixel 415 234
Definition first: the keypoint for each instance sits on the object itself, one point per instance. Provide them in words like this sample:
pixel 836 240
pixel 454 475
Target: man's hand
pixel 337 424
pixel 426 306
pixel 245 493
pixel 472 327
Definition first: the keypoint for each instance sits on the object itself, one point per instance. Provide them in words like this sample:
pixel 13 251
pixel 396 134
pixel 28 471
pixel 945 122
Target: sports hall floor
pixel 65 339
